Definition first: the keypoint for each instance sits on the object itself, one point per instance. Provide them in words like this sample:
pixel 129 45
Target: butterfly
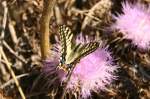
pixel 71 53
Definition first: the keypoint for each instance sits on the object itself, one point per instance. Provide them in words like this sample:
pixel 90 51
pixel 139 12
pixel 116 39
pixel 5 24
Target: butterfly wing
pixel 71 52
pixel 62 42
pixel 87 49
pixel 81 50
pixel 66 43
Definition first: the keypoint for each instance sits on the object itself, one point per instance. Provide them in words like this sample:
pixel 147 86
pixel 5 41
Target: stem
pixel 68 78
pixel 44 27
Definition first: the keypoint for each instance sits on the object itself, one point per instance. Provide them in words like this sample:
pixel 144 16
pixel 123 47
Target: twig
pixel 58 15
pixel 44 28
pixel 12 32
pixel 14 53
pixel 53 93
pixel 2 54
pixel 103 7
pixel 5 75
pixel 12 80
pixel 4 4
pixel 12 73
pixel 86 14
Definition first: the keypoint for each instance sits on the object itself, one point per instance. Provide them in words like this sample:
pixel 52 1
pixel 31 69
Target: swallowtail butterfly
pixel 71 53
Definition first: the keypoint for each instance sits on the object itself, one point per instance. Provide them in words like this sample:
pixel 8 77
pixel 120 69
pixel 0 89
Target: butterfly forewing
pixel 66 43
pixel 62 40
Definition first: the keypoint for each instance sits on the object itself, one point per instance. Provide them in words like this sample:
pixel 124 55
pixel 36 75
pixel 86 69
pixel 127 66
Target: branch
pixel 2 54
pixel 12 80
pixel 12 73
pixel 44 27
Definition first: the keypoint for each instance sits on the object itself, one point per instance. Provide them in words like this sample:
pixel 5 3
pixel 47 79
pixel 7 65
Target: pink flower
pixel 50 71
pixel 92 73
pixel 134 23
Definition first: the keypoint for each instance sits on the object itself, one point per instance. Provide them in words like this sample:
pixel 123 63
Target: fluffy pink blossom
pixel 92 73
pixel 134 23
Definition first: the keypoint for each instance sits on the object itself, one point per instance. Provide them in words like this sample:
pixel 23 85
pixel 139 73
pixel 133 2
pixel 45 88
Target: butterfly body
pixel 71 53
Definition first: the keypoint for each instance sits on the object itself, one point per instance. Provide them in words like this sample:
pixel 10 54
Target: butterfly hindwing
pixel 85 49
pixel 65 39
pixel 89 48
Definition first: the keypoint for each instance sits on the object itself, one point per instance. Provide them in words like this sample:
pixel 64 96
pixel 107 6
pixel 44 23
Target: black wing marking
pixel 71 52
pixel 62 40
pixel 85 49
pixel 66 40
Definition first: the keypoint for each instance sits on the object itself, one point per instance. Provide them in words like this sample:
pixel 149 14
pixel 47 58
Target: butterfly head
pixel 63 65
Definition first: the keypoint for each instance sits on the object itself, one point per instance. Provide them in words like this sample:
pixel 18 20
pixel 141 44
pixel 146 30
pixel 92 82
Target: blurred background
pixel 20 44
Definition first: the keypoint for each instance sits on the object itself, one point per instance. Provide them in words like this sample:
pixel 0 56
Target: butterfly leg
pixel 68 71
